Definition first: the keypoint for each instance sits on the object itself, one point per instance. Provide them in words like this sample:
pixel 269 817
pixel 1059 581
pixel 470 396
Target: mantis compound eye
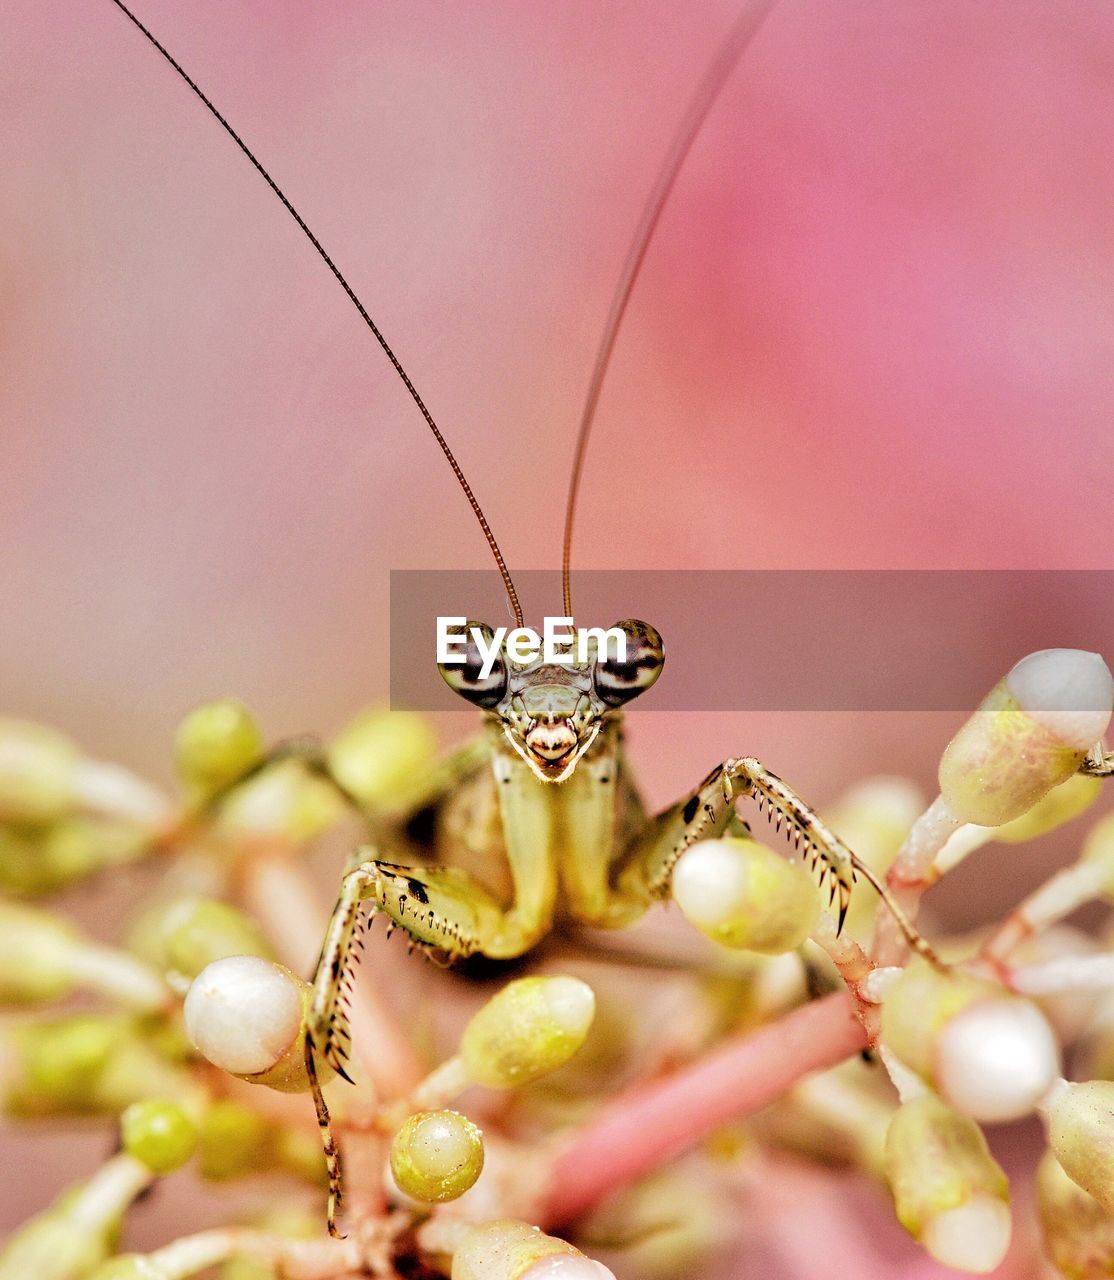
pixel 618 681
pixel 480 674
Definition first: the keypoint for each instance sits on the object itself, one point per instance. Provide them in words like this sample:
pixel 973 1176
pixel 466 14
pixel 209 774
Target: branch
pixel 649 1127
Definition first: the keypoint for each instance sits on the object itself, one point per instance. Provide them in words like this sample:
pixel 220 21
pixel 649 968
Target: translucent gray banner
pixel 788 640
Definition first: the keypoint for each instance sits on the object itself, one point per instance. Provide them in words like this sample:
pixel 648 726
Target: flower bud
pixel 61 1060
pixel 378 756
pixel 516 1251
pixel 874 817
pixel 283 801
pixel 233 1141
pixel 437 1156
pixel 1078 1231
pixel 48 1248
pixel 658 1242
pixel 41 860
pixel 948 1191
pixel 247 1016
pixel 1063 803
pixel 159 1134
pixel 216 744
pixel 181 937
pixel 1081 1135
pixel 38 770
pixel 1030 733
pixel 532 1027
pixel 86 1063
pixel 991 1055
pixel 743 895
pixel 35 955
pixel 74 1234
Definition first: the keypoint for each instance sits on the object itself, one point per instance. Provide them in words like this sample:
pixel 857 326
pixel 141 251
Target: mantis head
pixel 551 712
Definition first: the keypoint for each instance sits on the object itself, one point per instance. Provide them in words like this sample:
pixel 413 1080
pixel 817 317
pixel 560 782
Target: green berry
pixel 158 1133
pixel 65 1057
pixel 38 767
pixel 379 755
pixel 216 744
pixel 234 1141
pixel 36 955
pixel 185 935
pixel 437 1156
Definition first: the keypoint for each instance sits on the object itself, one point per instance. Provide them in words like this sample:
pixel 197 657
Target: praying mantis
pixel 545 792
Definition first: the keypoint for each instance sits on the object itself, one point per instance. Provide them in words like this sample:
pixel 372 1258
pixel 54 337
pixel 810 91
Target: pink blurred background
pixel 875 331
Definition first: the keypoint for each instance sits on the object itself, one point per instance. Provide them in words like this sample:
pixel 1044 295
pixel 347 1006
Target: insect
pixel 563 823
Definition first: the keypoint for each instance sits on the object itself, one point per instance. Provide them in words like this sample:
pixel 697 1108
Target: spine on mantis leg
pixel 328 1142
pixel 781 803
pixel 329 1033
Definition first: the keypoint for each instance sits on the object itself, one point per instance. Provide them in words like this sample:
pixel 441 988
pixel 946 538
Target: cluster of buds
pixel 190 1031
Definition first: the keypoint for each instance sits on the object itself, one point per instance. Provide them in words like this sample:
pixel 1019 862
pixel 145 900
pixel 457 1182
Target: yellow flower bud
pixel 86 1063
pixel 38 772
pixel 532 1027
pixel 658 1242
pixel 1078 1231
pixel 992 1055
pixel 1060 805
pixel 380 754
pixel 35 955
pixel 743 895
pixel 75 1233
pixel 1081 1135
pixel 283 801
pixel 216 744
pixel 182 936
pixel 1030 733
pixel 511 1250
pixel 948 1191
pixel 233 1141
pixel 920 1002
pixel 61 1061
pixel 436 1156
pixel 49 1248
pixel 247 1016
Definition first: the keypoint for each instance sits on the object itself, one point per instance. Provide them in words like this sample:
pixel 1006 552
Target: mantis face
pixel 551 713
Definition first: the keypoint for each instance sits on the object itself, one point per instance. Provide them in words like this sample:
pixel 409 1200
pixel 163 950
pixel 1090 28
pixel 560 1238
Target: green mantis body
pixel 539 822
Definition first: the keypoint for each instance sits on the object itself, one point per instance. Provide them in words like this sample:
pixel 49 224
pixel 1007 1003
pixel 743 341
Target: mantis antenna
pixel 512 595
pixel 735 44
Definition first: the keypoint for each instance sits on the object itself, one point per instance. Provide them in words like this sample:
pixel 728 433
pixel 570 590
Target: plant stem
pixel 912 872
pixel 304 1259
pixel 649 1127
pixel 122 977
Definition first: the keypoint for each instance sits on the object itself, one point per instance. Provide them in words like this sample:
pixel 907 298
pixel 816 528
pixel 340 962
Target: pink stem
pixel 649 1127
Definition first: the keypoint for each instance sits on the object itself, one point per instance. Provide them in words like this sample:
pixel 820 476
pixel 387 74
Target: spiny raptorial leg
pixel 328 1142
pixel 840 866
